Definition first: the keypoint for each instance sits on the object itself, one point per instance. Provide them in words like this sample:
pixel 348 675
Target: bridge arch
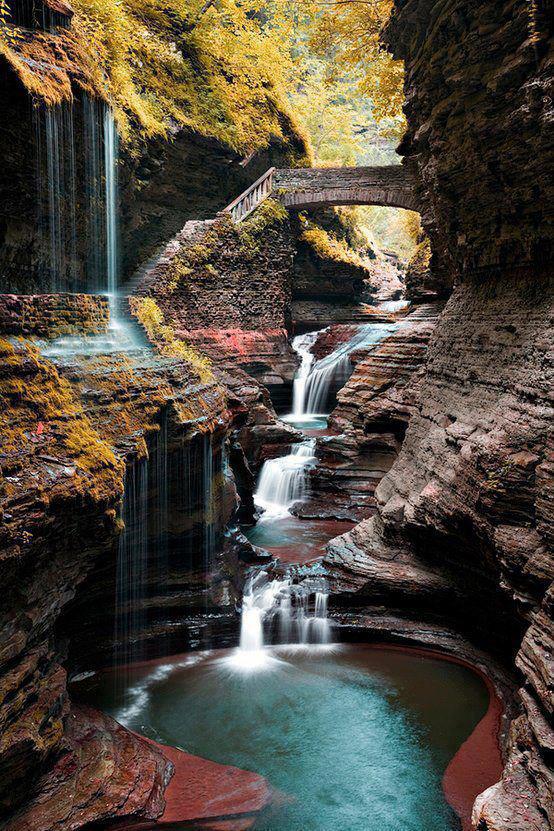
pixel 311 188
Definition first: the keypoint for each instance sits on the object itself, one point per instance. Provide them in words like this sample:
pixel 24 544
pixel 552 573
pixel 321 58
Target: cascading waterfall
pixel 111 143
pixel 283 481
pixel 88 179
pixel 283 612
pixel 302 345
pixel 132 562
pixel 318 379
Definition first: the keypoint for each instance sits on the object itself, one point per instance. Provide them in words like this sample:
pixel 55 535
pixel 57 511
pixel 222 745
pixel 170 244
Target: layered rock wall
pixel 464 528
pixel 369 423
pixel 70 426
pixel 479 139
pixel 226 289
pixel 53 315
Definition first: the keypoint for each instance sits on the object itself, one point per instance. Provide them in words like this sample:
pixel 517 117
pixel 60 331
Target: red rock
pixel 201 790
pixel 478 762
pixel 103 772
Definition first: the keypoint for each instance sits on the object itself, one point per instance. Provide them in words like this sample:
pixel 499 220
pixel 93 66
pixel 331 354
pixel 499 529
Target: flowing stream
pixel 299 609
pixel 282 481
pixel 316 381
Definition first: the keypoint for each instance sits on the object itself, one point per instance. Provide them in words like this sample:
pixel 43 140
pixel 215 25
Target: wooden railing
pixel 248 201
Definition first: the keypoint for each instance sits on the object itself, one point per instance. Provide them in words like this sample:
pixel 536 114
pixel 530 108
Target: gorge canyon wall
pixel 464 522
pixel 462 529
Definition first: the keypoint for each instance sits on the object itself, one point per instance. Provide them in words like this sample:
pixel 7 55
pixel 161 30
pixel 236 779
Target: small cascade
pixel 283 481
pixel 302 345
pixel 280 612
pixel 317 380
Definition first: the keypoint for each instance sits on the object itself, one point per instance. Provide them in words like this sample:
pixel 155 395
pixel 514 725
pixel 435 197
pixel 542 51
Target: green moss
pixel 32 393
pixel 151 317
pixel 327 247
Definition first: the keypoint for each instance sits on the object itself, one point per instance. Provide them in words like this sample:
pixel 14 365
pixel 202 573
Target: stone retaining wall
pixel 53 315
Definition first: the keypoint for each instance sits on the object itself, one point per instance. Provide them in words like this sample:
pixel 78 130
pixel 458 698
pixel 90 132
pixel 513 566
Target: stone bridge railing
pixel 253 196
pixel 310 188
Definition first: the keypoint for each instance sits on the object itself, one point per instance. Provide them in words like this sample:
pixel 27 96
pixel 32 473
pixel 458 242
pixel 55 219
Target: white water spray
pixel 282 612
pixel 283 481
pixel 317 379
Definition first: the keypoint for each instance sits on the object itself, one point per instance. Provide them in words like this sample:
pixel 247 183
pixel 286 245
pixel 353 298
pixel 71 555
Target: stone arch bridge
pixel 311 188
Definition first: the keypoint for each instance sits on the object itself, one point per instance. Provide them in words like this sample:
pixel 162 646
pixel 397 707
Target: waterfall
pixel 111 143
pixel 302 345
pixel 94 192
pixel 132 561
pixel 317 380
pixel 171 515
pixel 82 250
pixel 159 484
pixel 282 611
pixel 61 195
pixel 283 481
pixel 209 506
pixel 54 161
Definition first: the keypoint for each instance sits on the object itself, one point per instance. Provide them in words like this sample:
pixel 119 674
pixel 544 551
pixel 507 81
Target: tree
pixel 350 30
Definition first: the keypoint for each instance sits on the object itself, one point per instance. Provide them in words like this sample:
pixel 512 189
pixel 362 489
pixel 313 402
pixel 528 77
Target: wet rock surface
pixel 103 772
pixel 51 316
pixel 70 425
pixel 464 524
pixel 226 288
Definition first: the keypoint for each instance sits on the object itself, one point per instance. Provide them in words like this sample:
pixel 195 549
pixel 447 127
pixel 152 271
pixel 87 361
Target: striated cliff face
pixel 71 424
pixel 479 128
pixel 369 423
pixel 464 523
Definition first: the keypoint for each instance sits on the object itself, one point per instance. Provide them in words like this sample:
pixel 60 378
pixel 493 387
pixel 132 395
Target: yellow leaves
pixel 208 66
pixel 351 31
pixel 390 229
pixel 329 248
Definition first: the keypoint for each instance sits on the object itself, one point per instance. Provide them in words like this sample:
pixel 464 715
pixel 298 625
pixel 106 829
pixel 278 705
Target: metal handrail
pixel 243 205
